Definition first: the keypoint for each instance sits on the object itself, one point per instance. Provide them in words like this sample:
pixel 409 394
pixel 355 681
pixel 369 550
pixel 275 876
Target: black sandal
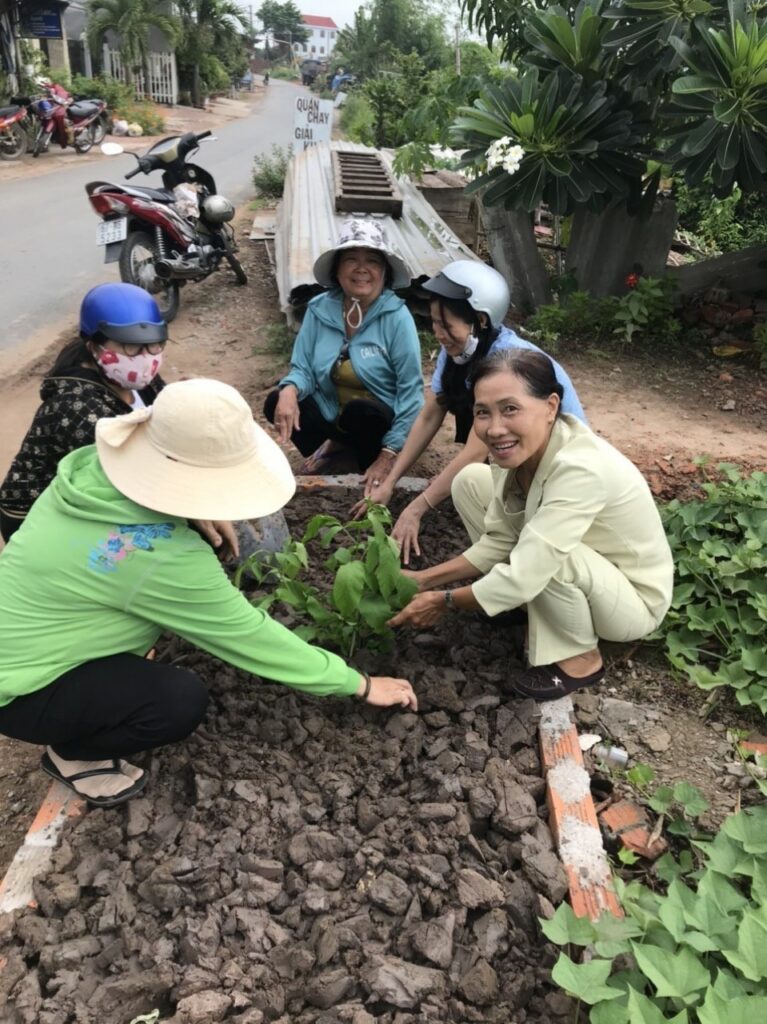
pixel 550 682
pixel 98 801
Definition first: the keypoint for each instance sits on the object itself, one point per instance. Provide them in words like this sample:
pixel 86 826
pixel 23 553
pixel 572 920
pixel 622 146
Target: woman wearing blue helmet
pixel 112 368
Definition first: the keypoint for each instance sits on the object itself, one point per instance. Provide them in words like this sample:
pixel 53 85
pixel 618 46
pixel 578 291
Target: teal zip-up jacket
pixel 90 574
pixel 385 354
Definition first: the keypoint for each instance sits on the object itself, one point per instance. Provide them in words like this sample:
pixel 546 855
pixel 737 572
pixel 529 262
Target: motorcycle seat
pixel 8 111
pixel 83 108
pixel 157 195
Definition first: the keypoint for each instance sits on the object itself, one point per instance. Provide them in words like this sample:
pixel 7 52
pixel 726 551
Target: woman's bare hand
pixel 286 414
pixel 375 475
pixel 386 691
pixel 406 530
pixel 380 495
pixel 222 535
pixel 424 609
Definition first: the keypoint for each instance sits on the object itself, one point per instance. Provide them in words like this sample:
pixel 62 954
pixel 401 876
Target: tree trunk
pixel 196 91
pixel 515 254
pixel 605 247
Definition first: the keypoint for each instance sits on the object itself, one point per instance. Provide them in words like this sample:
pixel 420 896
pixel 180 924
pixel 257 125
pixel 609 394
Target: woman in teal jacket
pixel 355 372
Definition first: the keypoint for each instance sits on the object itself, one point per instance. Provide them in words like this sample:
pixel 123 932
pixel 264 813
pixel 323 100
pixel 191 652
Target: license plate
pixel 108 231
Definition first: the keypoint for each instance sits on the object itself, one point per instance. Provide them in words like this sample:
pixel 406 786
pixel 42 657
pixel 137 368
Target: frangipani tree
pixel 613 91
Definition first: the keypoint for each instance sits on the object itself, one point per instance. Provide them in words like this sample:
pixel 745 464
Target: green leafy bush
pixel 368 586
pixel 723 225
pixel 269 171
pixel 113 92
pixel 715 629
pixel 644 311
pixel 357 119
pixel 760 342
pixel 288 73
pixel 694 955
pixel 144 114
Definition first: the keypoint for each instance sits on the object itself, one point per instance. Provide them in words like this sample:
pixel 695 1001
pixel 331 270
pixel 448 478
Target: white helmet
pixel 483 288
pixel 217 209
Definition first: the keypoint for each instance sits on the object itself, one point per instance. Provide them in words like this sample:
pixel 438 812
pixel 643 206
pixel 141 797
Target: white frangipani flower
pixel 504 153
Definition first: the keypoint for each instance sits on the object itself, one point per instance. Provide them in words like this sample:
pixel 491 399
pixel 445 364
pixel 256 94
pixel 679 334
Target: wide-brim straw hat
pixel 361 233
pixel 196 453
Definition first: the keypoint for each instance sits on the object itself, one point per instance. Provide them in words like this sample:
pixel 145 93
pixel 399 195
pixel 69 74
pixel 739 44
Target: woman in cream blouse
pixel 562 525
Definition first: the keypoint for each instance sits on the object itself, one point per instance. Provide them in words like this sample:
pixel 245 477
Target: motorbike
pixel 80 123
pixel 166 237
pixel 13 137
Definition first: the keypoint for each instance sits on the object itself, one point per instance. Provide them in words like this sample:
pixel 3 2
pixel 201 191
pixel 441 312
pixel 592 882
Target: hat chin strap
pixel 354 308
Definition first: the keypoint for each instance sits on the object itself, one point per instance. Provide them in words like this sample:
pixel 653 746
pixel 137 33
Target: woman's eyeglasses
pixel 154 348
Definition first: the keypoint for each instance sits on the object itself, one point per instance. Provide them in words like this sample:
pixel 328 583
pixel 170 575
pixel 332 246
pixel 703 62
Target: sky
pixel 341 11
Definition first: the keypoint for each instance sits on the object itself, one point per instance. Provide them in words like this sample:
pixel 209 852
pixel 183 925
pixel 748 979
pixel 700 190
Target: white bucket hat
pixel 196 453
pixel 361 233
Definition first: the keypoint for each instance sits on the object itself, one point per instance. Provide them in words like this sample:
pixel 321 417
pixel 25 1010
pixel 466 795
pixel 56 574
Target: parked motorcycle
pixel 166 237
pixel 80 123
pixel 13 137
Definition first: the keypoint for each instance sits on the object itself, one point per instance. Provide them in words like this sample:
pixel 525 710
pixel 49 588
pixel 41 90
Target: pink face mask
pixel 132 372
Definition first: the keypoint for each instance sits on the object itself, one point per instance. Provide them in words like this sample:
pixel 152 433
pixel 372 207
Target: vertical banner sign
pixel 312 122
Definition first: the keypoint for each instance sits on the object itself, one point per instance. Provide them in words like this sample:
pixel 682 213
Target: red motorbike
pixel 77 123
pixel 13 137
pixel 166 237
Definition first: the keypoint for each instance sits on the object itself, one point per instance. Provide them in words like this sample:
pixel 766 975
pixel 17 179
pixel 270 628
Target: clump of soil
pixel 313 861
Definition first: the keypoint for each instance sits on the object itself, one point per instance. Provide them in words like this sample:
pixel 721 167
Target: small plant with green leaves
pixel 269 171
pixel 715 629
pixel 646 309
pixel 696 954
pixel 367 587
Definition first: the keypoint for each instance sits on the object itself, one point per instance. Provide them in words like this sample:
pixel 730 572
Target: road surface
pixel 48 252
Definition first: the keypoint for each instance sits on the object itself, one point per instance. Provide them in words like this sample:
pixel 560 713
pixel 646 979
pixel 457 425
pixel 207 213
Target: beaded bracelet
pixel 368 683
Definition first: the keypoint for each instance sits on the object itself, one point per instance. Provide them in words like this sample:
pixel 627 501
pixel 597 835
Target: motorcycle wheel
pixel 99 128
pixel 15 145
pixel 86 139
pixel 137 259
pixel 234 263
pixel 41 142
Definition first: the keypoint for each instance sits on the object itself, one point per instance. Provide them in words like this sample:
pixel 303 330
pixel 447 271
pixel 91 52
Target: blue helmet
pixel 122 312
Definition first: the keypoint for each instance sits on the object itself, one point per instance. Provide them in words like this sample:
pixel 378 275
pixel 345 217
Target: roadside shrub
pixel 281 71
pixel 214 78
pixel 269 171
pixel 716 627
pixel 357 119
pixel 722 225
pixel 145 114
pixel 113 92
pixel 694 955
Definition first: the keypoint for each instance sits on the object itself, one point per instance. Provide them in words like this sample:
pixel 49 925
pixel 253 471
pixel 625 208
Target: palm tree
pixel 131 20
pixel 211 28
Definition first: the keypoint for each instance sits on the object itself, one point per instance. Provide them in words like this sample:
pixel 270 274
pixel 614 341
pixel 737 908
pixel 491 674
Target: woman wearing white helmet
pixel 469 302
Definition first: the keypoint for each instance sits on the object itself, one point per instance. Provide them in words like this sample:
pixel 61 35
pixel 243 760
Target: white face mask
pixel 468 350
pixel 131 372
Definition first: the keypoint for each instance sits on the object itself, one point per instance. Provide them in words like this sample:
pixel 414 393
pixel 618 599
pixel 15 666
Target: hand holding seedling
pixel 222 536
pixel 424 610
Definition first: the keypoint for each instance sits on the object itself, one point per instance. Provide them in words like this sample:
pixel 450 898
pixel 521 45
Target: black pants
pixel 8 525
pixel 361 426
pixel 111 707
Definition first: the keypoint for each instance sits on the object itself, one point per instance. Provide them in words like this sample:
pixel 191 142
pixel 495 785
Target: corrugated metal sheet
pixel 307 225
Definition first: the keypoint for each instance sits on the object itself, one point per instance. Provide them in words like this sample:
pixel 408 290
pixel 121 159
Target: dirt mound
pixel 309 860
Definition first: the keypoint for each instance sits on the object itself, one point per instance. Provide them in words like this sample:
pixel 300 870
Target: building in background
pixel 323 33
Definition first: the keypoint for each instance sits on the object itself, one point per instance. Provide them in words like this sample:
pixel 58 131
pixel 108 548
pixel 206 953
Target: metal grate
pixel 363 185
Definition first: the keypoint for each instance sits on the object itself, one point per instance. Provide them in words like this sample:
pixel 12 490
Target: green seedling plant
pixel 715 629
pixel 368 585
pixel 696 954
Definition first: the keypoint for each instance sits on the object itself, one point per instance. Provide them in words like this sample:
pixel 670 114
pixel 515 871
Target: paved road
pixel 48 255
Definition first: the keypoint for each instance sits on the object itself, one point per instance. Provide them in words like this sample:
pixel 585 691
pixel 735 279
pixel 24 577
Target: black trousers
pixel 361 426
pixel 110 707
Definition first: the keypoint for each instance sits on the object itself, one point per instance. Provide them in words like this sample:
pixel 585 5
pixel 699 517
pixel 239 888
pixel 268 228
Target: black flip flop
pixel 549 682
pixel 98 801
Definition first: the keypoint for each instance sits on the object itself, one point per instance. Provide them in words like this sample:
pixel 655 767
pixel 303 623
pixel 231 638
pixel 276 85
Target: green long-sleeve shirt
pixel 91 573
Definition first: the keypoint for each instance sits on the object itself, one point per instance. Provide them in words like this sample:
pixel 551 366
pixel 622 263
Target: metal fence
pixel 162 86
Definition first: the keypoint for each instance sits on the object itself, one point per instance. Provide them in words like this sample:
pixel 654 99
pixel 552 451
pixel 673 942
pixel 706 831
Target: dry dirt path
pixel 661 419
